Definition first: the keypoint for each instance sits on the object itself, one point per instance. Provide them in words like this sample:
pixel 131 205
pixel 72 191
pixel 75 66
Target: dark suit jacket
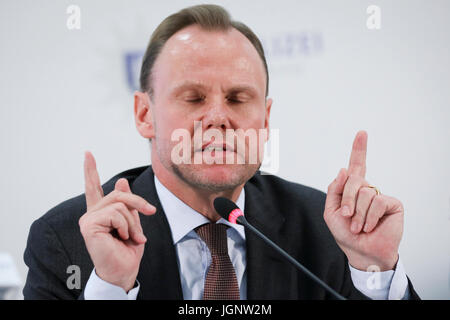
pixel 290 214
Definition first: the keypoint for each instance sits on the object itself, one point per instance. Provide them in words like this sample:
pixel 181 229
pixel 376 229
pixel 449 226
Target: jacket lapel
pixel 158 273
pixel 264 276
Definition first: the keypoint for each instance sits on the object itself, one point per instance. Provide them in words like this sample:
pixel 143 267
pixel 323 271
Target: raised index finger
pixel 93 189
pixel 357 164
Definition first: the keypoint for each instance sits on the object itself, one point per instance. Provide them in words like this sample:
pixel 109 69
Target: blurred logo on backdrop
pixel 133 61
pixel 287 54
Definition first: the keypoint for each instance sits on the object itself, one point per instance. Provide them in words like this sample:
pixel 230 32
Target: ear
pixel 142 115
pixel 267 116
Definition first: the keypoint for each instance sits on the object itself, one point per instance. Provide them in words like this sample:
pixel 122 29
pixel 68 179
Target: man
pixel 153 233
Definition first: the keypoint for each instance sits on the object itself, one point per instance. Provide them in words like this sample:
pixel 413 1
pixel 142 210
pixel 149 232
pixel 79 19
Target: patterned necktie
pixel 221 282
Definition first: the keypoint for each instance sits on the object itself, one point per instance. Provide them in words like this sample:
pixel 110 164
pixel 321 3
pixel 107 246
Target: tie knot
pixel 215 237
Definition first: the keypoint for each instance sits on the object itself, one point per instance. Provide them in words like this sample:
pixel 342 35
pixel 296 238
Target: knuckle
pixel 85 223
pixel 365 192
pixel 116 195
pixel 81 222
pixel 330 186
pixel 347 201
pixel 120 206
pixel 378 200
pixel 119 217
pixel 115 212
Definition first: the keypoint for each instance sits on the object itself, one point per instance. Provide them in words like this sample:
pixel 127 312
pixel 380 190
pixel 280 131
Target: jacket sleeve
pixel 48 262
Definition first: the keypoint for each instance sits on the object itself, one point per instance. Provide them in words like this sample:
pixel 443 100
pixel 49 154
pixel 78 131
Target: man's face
pixel 215 77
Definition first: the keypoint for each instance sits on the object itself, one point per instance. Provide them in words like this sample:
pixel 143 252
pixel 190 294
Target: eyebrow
pixel 188 85
pixel 244 88
pixel 199 85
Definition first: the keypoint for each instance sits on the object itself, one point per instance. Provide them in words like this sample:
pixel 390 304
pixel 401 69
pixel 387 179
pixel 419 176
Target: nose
pixel 217 115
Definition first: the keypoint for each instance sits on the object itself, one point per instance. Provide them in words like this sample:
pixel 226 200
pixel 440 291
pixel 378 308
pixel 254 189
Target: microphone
pixel 228 210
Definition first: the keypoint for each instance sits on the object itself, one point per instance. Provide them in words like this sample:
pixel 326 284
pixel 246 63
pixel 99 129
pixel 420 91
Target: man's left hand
pixel 367 226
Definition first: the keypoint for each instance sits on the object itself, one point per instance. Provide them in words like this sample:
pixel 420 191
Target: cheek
pixel 255 117
pixel 169 122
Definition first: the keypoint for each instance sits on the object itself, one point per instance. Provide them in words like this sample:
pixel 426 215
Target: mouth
pixel 216 147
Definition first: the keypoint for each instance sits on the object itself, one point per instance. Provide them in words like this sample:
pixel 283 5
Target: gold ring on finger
pixel 376 189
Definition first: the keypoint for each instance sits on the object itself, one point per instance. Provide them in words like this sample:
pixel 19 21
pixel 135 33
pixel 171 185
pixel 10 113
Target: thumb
pixel 335 190
pixel 122 185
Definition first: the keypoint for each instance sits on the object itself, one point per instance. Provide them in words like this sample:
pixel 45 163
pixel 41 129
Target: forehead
pixel 201 55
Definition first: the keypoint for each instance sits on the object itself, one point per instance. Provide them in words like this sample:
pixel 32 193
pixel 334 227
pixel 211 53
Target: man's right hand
pixel 111 228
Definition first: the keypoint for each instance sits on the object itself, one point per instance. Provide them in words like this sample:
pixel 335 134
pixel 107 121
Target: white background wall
pixel 63 92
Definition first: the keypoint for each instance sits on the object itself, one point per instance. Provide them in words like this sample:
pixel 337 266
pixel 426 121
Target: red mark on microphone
pixel 236 213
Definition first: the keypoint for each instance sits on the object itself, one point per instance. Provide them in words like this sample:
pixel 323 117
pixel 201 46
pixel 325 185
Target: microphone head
pixel 227 209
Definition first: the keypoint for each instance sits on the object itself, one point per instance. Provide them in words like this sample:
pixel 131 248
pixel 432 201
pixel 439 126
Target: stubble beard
pixel 192 174
pixel 194 177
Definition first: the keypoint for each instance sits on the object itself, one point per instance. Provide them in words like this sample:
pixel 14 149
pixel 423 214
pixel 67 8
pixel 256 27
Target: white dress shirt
pixel 194 259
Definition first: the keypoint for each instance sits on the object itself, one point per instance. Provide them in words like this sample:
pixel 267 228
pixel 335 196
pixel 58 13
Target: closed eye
pixel 237 98
pixel 234 101
pixel 195 99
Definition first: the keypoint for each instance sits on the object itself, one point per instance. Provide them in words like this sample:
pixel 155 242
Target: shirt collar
pixel 183 219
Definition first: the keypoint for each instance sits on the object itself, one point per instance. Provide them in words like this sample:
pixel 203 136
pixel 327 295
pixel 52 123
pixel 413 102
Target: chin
pixel 215 177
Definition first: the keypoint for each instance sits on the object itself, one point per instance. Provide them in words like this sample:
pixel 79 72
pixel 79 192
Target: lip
pixel 226 147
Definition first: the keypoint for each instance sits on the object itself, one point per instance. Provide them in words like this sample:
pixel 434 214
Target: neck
pixel 199 199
